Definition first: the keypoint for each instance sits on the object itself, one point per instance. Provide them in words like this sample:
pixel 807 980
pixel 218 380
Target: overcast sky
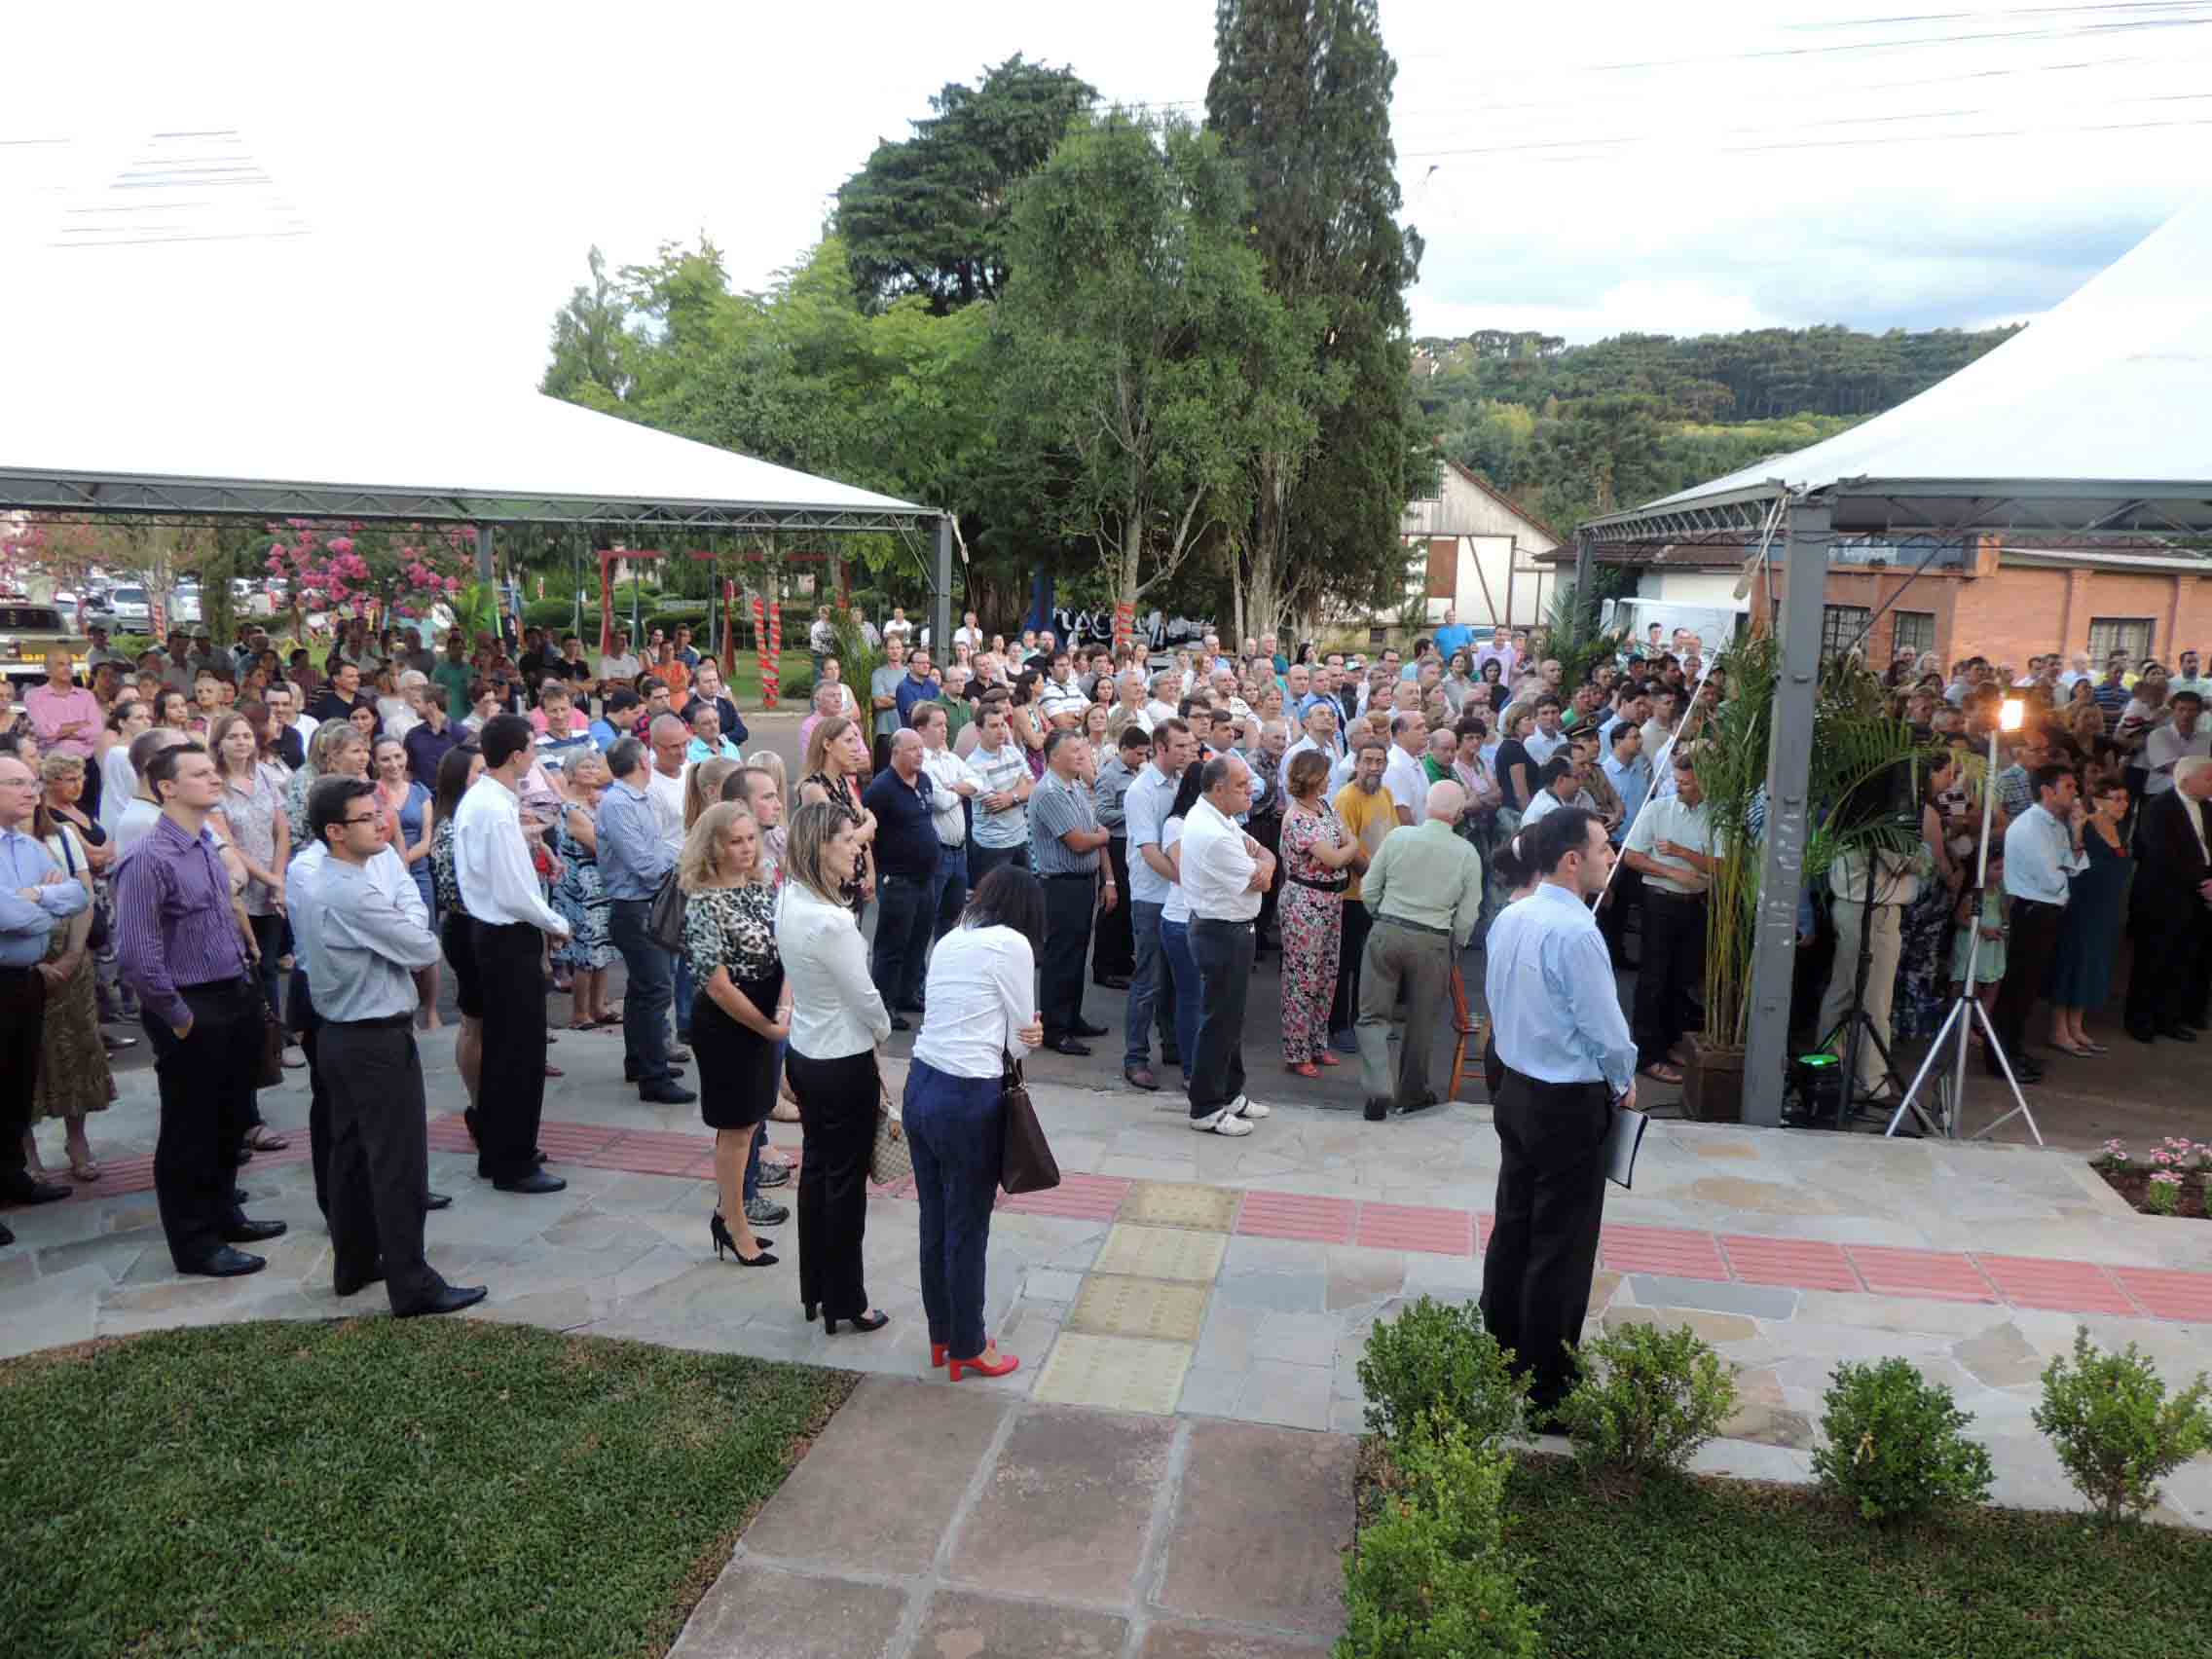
pixel 1580 170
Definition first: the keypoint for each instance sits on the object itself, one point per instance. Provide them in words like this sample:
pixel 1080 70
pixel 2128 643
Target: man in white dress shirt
pixel 507 913
pixel 950 786
pixel 1224 873
pixel 1405 777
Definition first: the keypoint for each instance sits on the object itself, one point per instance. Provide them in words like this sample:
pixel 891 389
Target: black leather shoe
pixel 6 1236
pixel 1068 1046
pixel 253 1232
pixel 536 1181
pixel 536 1156
pixel 226 1262
pixel 1083 1028
pixel 1427 1100
pixel 1113 982
pixel 1377 1111
pixel 899 1022
pixel 30 1189
pixel 665 1094
pixel 451 1300
pixel 2141 1034
pixel 2178 1032
pixel 1169 1057
pixel 673 1070
pixel 354 1286
pixel 437 1201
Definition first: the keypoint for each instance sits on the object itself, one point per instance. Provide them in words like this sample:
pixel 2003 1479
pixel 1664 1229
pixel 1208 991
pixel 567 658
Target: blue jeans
pixel 1152 989
pixel 953 1131
pixel 951 893
pixel 651 989
pixel 1183 967
pixel 982 860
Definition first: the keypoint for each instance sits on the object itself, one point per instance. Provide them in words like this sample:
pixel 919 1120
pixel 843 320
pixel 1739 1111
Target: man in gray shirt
pixel 362 951
pixel 1069 849
pixel 883 688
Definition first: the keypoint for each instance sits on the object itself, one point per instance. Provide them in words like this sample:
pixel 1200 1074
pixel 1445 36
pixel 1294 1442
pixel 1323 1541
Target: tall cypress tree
pixel 1301 97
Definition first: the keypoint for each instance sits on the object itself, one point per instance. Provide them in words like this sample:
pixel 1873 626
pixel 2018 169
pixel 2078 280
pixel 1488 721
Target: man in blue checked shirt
pixel 1569 1061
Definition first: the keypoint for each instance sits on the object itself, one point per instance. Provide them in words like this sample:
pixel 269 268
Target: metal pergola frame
pixel 118 496
pixel 2083 510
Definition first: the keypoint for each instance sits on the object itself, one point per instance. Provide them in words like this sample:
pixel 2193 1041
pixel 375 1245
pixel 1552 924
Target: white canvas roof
pixel 2096 416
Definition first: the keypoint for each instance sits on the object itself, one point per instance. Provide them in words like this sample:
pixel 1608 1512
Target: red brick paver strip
pixel 1414 1227
pixel 1881 1270
pixel 1674 1251
pixel 2168 1293
pixel 1296 1215
pixel 2069 1287
pixel 1891 1271
pixel 1801 1264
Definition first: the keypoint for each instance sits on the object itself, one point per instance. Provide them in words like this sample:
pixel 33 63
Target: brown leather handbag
pixel 1026 1164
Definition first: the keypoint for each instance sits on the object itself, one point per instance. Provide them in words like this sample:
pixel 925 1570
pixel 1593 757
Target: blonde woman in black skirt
pixel 742 1010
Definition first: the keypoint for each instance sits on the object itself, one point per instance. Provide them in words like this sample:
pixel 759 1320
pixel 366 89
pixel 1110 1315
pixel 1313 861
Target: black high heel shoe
pixel 872 1320
pixel 719 1230
pixel 812 1311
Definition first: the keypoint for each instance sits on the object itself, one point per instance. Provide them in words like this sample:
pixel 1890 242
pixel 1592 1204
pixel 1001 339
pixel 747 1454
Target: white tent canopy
pixel 2097 418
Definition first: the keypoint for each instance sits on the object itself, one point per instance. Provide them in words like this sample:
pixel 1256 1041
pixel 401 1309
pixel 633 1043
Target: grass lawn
pixel 381 1488
pixel 1728 1569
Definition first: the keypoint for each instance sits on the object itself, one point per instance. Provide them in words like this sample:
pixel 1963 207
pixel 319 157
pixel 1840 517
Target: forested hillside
pixel 1575 429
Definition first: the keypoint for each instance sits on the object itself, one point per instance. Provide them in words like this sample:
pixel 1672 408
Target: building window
pixel 2109 634
pixel 1915 631
pixel 1841 626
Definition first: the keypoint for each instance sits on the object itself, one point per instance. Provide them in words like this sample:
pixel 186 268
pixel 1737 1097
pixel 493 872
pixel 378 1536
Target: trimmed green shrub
pixel 2115 1431
pixel 1896 1443
pixel 1647 1400
pixel 1431 1577
pixel 1437 1358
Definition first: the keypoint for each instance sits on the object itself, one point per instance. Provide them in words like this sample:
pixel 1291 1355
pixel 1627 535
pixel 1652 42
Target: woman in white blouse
pixel 980 1000
pixel 836 1021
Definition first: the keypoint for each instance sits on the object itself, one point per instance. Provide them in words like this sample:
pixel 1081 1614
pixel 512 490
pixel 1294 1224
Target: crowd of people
pixel 977 841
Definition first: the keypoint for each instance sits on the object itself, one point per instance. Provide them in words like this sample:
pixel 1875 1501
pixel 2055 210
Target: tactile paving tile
pixel 1120 1374
pixel 1296 1215
pixel 1181 1203
pixel 1415 1227
pixel 2067 1287
pixel 1078 1198
pixel 1671 1250
pixel 2169 1292
pixel 1803 1264
pixel 1162 1253
pixel 1112 1306
pixel 1892 1271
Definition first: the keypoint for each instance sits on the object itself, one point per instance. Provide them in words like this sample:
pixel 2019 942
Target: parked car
pixel 27 632
pixel 128 609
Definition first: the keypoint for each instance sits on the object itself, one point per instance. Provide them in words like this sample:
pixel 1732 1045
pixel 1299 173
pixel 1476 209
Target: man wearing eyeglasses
pixel 364 940
pixel 36 894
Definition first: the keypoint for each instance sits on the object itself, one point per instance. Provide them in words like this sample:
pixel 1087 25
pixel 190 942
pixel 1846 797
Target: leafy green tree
pixel 1301 99
pixel 1143 362
pixel 591 344
pixel 927 215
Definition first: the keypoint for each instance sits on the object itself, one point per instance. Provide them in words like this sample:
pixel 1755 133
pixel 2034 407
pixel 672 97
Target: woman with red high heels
pixel 980 1000
pixel 1318 857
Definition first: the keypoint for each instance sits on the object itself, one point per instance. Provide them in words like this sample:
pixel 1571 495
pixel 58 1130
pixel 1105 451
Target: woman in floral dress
pixel 1317 853
pixel 580 896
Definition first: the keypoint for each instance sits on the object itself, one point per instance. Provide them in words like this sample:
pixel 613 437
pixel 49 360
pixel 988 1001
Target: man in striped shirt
pixel 1069 850
pixel 1000 768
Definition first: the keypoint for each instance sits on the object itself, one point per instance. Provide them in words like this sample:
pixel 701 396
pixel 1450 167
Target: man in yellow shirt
pixel 1369 814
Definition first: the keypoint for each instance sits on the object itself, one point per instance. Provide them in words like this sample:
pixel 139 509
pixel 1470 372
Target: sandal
pixel 261 1138
pixel 1659 1071
pixel 1303 1068
pixel 1326 1058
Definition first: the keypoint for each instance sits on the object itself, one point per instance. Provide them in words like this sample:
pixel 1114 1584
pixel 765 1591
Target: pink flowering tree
pixel 403 569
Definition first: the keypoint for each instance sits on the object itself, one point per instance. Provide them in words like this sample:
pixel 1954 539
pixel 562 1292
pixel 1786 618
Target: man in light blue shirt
pixel 2043 850
pixel 1568 1058
pixel 1628 772
pixel 634 860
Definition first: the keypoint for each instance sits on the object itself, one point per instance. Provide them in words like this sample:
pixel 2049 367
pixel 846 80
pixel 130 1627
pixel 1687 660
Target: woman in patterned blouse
pixel 742 1011
pixel 837 770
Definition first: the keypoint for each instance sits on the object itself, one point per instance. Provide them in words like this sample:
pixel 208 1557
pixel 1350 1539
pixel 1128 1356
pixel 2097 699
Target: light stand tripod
pixel 1859 1024
pixel 1968 1008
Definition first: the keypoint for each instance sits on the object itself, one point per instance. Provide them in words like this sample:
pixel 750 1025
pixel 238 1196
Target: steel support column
pixel 1584 561
pixel 940 607
pixel 1782 857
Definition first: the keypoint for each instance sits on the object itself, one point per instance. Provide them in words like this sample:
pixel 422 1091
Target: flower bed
pixel 2173 1178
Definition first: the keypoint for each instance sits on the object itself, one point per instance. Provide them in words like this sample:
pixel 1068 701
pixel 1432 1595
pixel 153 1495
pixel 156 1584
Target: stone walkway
pixel 1188 1286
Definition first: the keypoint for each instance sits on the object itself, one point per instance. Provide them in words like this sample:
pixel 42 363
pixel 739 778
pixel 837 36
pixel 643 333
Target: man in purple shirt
pixel 182 953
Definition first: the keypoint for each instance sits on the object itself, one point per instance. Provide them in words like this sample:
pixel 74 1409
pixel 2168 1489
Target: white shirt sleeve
pixel 846 959
pixel 497 881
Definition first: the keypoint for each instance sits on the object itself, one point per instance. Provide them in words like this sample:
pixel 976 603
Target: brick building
pixel 1986 597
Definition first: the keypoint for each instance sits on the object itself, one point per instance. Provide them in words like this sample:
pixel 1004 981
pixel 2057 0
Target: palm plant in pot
pixel 1855 742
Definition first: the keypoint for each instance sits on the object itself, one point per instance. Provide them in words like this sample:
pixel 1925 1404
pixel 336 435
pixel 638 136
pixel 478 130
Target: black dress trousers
pixel 837 1100
pixel 511 1097
pixel 1551 1197
pixel 1068 903
pixel 379 1156
pixel 206 1081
